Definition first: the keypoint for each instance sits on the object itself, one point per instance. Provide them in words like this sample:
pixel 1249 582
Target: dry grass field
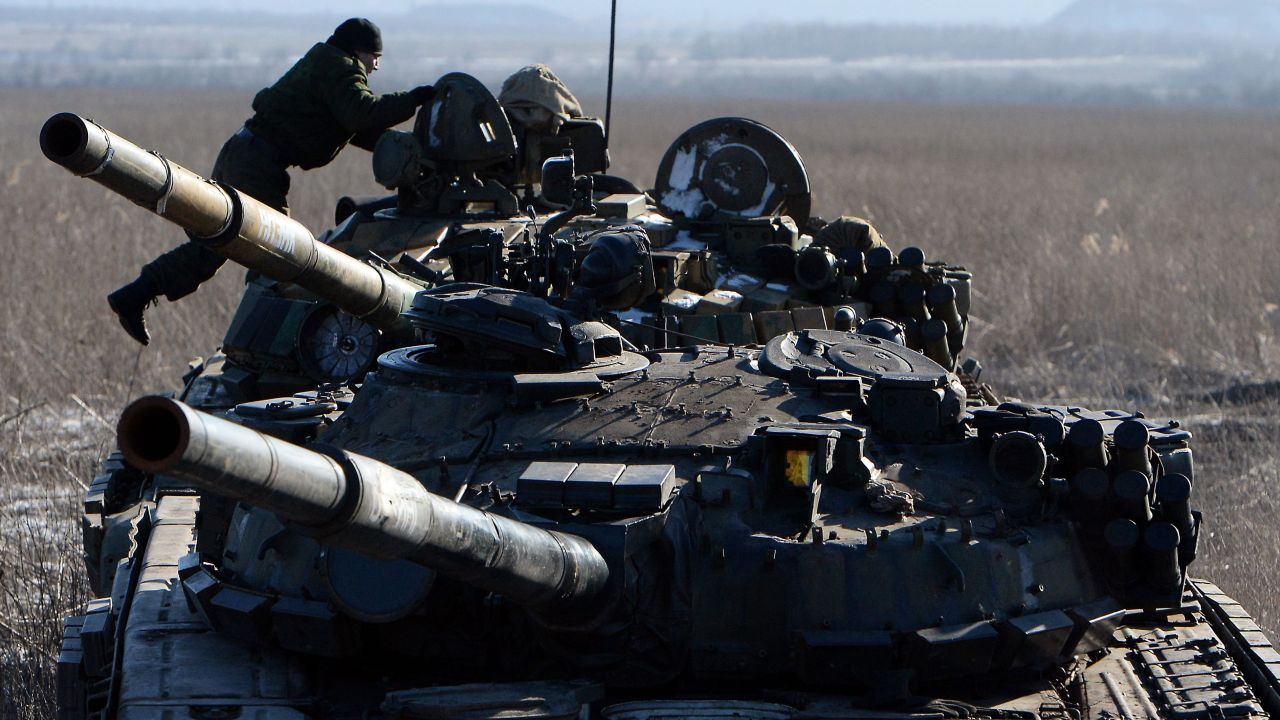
pixel 1126 259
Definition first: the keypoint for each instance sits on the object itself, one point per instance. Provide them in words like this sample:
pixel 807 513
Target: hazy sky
pixel 702 13
pixel 706 12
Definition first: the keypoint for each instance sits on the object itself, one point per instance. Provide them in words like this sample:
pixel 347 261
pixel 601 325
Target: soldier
pixel 538 100
pixel 322 103
pixel 848 231
pixel 537 103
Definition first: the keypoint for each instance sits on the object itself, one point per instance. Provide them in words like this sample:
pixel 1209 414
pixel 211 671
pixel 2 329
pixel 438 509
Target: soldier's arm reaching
pixel 360 111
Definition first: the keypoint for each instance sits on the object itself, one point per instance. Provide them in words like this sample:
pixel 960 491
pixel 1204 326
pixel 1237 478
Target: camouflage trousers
pixel 251 166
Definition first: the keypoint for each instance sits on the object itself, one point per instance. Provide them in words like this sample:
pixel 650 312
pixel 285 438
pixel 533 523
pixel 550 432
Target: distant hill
pixel 495 16
pixel 1257 20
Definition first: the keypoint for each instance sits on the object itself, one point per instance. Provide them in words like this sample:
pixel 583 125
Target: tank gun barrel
pixel 225 220
pixel 359 503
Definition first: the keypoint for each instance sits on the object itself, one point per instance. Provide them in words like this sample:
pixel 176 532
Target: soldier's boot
pixel 130 302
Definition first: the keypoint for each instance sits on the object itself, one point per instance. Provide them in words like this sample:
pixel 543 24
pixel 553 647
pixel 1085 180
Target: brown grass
pixel 1121 258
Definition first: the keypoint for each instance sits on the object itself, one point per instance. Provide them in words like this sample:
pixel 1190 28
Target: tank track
pixel 1258 659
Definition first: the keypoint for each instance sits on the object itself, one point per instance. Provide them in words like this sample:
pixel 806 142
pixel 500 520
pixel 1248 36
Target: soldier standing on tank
pixel 322 103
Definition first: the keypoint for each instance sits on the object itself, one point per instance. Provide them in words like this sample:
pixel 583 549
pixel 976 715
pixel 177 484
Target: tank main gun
pixel 359 503
pixel 226 220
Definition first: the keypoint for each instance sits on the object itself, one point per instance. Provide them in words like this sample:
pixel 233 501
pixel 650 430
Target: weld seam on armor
pixel 107 158
pixel 166 190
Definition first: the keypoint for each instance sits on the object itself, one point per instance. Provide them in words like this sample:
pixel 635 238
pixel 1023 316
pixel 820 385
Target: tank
pixel 551 496
pixel 735 256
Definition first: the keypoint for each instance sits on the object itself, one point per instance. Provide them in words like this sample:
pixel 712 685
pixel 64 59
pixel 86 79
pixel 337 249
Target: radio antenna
pixel 608 102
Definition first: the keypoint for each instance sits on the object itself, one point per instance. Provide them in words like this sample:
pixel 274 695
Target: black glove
pixel 423 94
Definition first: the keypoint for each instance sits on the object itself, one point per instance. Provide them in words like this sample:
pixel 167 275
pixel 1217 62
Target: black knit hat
pixel 357 34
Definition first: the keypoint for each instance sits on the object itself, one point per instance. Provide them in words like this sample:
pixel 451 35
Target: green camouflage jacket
pixel 322 103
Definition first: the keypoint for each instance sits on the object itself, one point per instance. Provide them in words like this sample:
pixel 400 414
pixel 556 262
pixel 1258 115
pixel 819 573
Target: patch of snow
pixel 634 315
pixel 728 188
pixel 682 168
pixel 711 146
pixel 684 302
pixel 738 282
pixel 653 219
pixel 726 295
pixel 685 242
pixel 685 202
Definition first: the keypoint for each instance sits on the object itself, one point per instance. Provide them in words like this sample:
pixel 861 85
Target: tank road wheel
pixel 335 347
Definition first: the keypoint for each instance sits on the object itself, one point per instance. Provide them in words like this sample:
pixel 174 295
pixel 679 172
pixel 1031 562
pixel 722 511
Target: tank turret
pixel 226 220
pixel 361 504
